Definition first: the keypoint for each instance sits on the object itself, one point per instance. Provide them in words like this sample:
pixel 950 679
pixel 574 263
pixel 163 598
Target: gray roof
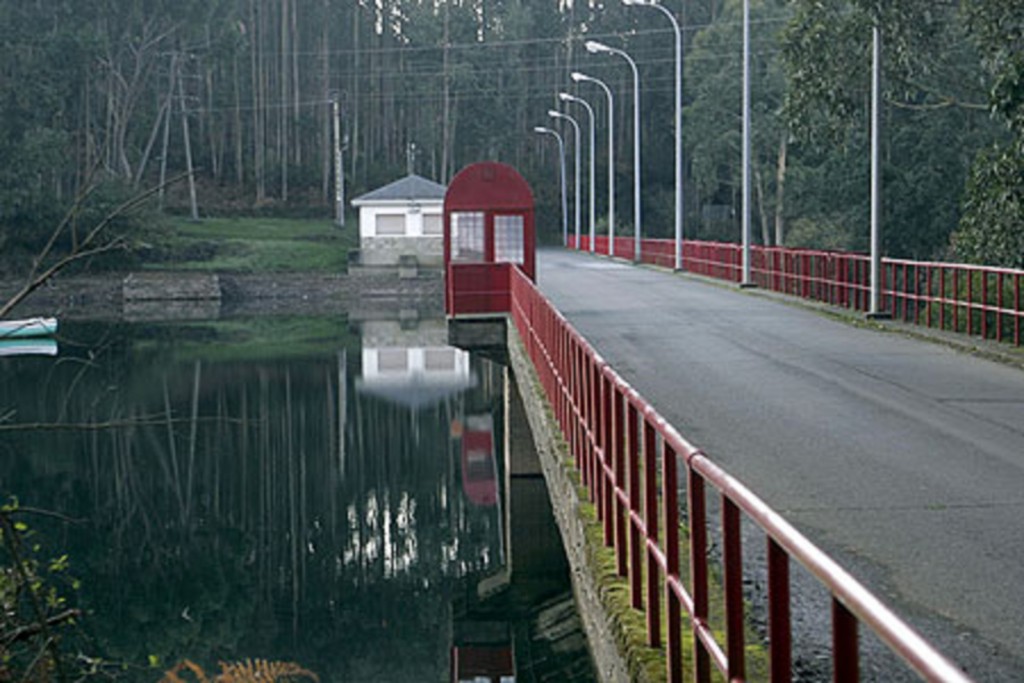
pixel 410 188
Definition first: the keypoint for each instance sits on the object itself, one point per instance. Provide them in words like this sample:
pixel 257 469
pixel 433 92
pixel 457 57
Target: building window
pixel 508 239
pixel 392 361
pixel 467 236
pixel 390 224
pixel 439 360
pixel 432 224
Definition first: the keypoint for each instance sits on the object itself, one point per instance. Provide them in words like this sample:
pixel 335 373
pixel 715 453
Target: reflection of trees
pixel 228 514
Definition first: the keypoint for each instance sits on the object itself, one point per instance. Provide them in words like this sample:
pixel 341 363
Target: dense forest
pixel 108 98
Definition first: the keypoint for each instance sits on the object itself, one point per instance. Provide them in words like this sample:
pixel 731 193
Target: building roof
pixel 410 188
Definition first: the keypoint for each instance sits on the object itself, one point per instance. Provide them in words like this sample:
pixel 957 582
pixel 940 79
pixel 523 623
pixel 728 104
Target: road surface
pixel 903 459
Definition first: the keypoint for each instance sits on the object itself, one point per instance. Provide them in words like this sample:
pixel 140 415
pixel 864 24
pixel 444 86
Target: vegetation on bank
pixel 252 245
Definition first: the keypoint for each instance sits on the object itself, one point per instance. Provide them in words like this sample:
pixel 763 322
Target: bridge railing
pixel 981 301
pixel 632 463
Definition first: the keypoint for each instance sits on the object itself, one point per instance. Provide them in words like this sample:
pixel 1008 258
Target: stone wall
pixel 386 251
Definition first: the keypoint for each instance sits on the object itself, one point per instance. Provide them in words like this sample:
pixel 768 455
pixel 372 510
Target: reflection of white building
pixel 413 368
pixel 403 218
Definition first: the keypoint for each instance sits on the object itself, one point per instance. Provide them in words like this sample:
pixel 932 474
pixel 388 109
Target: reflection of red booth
pixel 479 469
pixel 488 228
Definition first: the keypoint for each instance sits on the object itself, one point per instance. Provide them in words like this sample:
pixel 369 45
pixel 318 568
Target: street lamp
pixel 561 166
pixel 566 97
pixel 679 123
pixel 576 178
pixel 579 77
pixel 594 47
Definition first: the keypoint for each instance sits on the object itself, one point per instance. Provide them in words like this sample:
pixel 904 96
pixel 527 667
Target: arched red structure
pixel 488 229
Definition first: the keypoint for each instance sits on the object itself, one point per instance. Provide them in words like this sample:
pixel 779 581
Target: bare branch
pixel 84 250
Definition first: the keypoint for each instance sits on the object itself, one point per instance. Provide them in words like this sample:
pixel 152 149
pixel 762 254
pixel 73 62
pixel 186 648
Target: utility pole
pixel 339 166
pixel 745 279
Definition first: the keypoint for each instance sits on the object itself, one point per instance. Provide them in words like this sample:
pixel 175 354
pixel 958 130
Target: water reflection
pixel 301 489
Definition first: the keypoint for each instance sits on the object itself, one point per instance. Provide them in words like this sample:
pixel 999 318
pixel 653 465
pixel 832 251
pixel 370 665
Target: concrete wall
pixel 602 635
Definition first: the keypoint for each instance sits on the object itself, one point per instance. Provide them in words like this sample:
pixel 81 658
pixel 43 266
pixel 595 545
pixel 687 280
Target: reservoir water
pixel 321 492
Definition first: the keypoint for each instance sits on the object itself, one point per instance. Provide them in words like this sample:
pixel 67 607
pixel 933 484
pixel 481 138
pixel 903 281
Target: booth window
pixel 508 239
pixel 467 236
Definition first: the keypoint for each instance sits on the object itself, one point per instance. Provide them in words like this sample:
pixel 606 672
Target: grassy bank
pixel 253 245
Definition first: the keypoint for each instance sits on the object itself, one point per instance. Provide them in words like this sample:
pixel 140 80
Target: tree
pixel 991 230
pixel 933 121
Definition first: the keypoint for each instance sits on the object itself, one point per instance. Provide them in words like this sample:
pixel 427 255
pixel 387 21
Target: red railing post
pixel 698 570
pixel 732 560
pixel 651 524
pixel 942 298
pixel 673 604
pixel 635 584
pixel 999 307
pixel 780 633
pixel 983 276
pixel 1016 310
pixel 955 299
pixel 970 303
pixel 592 455
pixel 611 448
pixel 619 458
pixel 845 655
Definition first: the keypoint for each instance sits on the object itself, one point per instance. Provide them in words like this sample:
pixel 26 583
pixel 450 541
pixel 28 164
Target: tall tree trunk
pixel 239 134
pixel 325 120
pixel 296 85
pixel 762 210
pixel 283 153
pixel 172 83
pixel 780 190
pixel 258 111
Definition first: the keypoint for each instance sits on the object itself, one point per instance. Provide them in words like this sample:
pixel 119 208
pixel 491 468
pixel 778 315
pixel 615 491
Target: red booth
pixel 488 230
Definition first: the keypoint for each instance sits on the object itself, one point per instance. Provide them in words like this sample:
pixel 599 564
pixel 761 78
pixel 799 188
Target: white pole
pixel 874 306
pixel 745 280
pixel 576 180
pixel 566 97
pixel 678 248
pixel 636 158
pixel 577 76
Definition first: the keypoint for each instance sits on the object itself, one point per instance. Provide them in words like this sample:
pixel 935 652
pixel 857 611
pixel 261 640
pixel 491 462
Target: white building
pixel 403 218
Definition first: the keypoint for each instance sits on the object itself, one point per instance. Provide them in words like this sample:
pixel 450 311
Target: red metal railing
pixel 629 459
pixel 974 300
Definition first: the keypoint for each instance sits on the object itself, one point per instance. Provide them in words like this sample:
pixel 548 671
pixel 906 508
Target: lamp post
pixel 875 304
pixel 576 177
pixel 566 97
pixel 594 47
pixel 678 121
pixel 561 166
pixel 578 77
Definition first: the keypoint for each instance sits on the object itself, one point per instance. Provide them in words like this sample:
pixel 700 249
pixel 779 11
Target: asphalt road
pixel 903 459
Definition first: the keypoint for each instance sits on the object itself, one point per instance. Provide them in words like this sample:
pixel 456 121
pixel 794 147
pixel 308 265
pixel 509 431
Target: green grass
pixel 253 245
